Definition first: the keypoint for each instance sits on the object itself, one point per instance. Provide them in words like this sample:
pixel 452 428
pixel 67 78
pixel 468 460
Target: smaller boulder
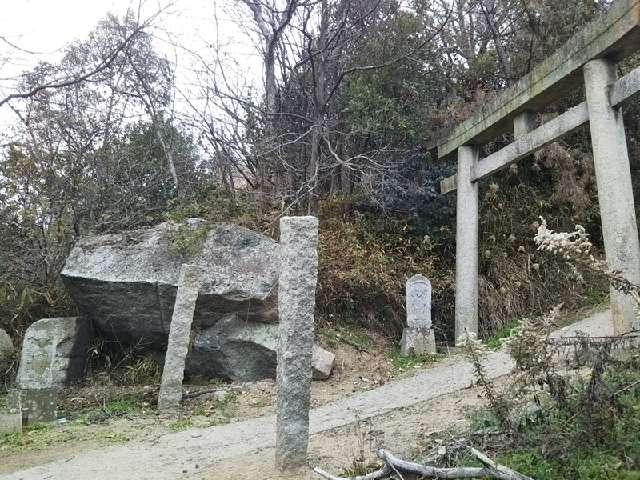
pixel 322 363
pixel 54 353
pixel 6 347
pixel 245 351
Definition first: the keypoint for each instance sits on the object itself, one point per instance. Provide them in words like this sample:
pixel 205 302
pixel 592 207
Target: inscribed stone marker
pixel 418 337
pixel 54 352
pixel 10 423
pixel 296 305
pixel 418 289
pixel 170 396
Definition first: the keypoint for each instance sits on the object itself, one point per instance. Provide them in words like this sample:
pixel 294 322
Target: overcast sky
pixel 46 26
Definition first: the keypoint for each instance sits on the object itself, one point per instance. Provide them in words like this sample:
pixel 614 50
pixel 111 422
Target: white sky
pixel 46 26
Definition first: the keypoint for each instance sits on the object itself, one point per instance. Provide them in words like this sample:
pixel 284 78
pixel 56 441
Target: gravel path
pixel 176 454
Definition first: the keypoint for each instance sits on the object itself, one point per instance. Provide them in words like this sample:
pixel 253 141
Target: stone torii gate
pixel 590 57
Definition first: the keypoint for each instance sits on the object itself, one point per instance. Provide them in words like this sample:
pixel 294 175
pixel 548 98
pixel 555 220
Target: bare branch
pixel 394 464
pixel 102 66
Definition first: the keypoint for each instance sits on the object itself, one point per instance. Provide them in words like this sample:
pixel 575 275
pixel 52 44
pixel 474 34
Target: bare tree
pixel 271 19
pixel 67 79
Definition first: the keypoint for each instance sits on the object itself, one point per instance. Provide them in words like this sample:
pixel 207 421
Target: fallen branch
pixel 199 393
pixel 394 464
pixel 381 473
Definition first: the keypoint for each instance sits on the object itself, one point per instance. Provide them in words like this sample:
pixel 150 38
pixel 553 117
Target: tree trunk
pixel 345 186
pixel 313 169
pixel 320 96
pixel 169 156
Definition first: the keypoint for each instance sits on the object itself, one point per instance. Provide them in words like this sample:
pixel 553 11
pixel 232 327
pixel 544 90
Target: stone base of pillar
pixel 462 340
pixel 11 417
pixel 10 423
pixel 623 313
pixel 417 341
pixel 38 405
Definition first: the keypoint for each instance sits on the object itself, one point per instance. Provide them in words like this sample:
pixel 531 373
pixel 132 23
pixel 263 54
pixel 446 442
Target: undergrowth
pixel 42 436
pixel 352 335
pixel 114 363
pixel 401 363
pixel 362 461
pixel 188 241
pixel 495 341
pixel 593 436
pixel 181 424
pixel 364 263
pixel 576 419
pixel 571 408
pixel 120 405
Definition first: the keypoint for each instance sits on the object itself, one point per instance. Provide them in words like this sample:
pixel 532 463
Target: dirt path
pixel 217 452
pixel 407 432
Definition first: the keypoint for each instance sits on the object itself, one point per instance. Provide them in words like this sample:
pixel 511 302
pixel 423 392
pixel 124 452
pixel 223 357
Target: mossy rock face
pixel 188 239
pixel 126 283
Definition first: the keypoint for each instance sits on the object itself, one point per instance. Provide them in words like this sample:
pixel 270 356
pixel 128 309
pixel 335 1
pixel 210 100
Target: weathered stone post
pixel 615 193
pixel 296 305
pixel 466 246
pixel 170 396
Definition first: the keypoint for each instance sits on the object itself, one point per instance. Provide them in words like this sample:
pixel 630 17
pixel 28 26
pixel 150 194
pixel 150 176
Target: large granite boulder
pixel 126 283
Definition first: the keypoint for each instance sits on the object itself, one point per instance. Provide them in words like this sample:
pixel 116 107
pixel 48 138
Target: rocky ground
pixel 402 415
pixel 100 413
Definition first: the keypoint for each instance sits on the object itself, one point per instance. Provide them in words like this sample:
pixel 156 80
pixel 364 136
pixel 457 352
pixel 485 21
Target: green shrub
pixel 405 362
pixel 187 241
pixel 495 341
pixel 182 424
pixel 529 462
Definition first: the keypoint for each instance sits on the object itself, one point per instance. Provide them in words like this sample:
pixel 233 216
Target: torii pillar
pixel 615 193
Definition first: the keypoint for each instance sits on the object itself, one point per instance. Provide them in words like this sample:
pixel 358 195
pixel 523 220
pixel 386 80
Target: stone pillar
pixel 615 193
pixel 418 336
pixel 296 305
pixel 466 247
pixel 170 396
